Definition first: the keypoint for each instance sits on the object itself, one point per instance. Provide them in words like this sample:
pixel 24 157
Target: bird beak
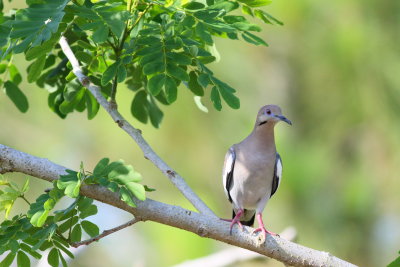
pixel 283 118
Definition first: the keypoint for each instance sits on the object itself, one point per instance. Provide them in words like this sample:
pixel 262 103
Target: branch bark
pixel 233 255
pixel 203 225
pixel 134 133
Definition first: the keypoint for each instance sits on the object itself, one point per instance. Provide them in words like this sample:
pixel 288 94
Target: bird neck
pixel 264 137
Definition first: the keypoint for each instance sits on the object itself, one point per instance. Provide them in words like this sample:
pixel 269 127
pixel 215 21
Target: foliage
pixel 395 263
pixel 38 230
pixel 151 46
pixel 10 194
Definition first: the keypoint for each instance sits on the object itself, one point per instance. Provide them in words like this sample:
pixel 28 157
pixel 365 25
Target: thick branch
pixel 201 224
pixel 233 255
pixel 136 134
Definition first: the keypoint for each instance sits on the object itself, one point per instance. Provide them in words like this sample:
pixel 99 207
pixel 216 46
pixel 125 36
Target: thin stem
pixel 24 198
pixel 114 89
pixel 141 14
pixel 6 72
pixel 104 234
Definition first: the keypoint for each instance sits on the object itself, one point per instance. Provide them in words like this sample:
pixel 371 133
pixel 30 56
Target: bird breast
pixel 252 179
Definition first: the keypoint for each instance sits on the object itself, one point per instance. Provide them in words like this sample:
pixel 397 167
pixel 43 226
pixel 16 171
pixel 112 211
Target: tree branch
pixel 232 255
pixel 134 133
pixel 204 225
pixel 104 234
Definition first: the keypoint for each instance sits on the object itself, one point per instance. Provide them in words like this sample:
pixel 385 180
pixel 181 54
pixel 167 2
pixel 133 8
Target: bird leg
pixel 235 220
pixel 262 228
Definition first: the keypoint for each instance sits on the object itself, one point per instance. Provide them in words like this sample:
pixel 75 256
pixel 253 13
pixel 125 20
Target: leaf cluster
pixel 155 48
pixel 43 228
pixel 10 193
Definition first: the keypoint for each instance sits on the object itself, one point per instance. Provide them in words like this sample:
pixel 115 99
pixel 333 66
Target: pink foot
pixel 265 231
pixel 235 221
pixel 261 227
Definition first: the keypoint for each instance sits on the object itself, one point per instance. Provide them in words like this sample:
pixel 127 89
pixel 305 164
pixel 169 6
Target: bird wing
pixel 277 174
pixel 227 173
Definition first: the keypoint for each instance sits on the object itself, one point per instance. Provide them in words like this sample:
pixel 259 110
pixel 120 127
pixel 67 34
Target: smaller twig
pixel 114 90
pixel 141 14
pixel 24 198
pixel 105 233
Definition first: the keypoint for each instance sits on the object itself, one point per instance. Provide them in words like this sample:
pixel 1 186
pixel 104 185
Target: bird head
pixel 271 114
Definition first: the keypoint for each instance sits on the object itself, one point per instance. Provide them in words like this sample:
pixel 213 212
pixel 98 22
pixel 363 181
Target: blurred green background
pixel 334 70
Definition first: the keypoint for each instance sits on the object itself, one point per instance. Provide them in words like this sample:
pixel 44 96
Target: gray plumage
pixel 253 168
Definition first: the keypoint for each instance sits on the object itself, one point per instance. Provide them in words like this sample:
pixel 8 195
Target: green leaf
pixel 123 173
pixel 13 245
pixel 155 113
pixel 91 210
pixel 139 106
pixel 76 233
pixel 256 3
pixel 216 99
pixel 100 166
pixel 110 73
pixel 204 80
pixel 179 58
pixel 29 250
pixel 75 98
pixel 53 257
pixel 229 97
pixel 23 259
pixel 177 72
pixel 37 23
pixel 228 6
pixel 220 26
pixel 63 248
pixel 193 5
pixel 36 68
pixel 68 223
pixel 126 197
pixel 84 57
pixel 137 190
pixel 85 45
pixel 193 84
pixel 91 104
pixel 16 96
pixel 15 76
pixel 121 73
pixel 171 90
pixel 207 14
pixel 90 228
pixel 152 67
pixel 69 183
pixel 7 261
pixel 395 263
pixel 25 187
pixel 156 83
pixel 203 33
pixel 247 10
pixel 100 35
pixel 266 17
pixel 253 39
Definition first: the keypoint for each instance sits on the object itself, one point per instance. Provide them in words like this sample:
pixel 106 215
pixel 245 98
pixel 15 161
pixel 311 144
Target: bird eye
pixel 268 112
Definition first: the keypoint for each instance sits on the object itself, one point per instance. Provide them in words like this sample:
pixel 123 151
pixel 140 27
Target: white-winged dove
pixel 253 169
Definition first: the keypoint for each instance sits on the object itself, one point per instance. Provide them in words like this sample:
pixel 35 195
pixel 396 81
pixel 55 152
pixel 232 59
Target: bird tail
pixel 247 217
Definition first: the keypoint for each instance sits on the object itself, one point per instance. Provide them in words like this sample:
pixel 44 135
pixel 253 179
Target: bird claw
pixel 265 231
pixel 233 222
